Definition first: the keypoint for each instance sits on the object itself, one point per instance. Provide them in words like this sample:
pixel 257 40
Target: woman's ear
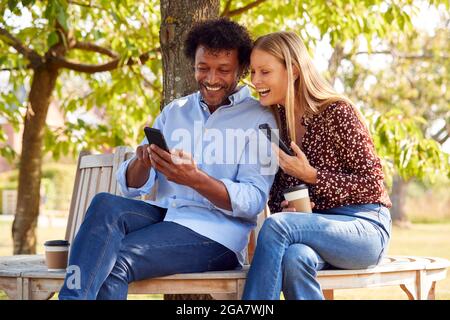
pixel 295 72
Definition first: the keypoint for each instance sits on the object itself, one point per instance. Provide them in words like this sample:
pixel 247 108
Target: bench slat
pixel 97 161
pixel 34 265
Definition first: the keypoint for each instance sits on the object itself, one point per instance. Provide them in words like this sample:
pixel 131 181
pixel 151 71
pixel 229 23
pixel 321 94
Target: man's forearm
pixel 214 190
pixel 137 175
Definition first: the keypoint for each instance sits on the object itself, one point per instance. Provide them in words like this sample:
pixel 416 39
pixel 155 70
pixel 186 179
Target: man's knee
pixel 101 204
pixel 122 269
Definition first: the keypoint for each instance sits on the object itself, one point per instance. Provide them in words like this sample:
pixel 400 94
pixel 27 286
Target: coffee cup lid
pixel 53 243
pixel 296 188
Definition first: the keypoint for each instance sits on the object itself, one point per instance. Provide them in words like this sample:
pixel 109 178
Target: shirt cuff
pixel 130 191
pixel 237 199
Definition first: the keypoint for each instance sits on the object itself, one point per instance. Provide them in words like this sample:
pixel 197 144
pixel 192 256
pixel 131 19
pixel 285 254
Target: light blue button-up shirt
pixel 225 145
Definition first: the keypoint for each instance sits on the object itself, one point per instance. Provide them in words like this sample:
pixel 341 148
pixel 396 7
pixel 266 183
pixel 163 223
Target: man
pixel 205 205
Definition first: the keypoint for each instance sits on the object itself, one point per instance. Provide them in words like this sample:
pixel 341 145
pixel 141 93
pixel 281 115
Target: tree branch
pixel 86 5
pixel 400 55
pixel 335 62
pixel 28 53
pixel 226 10
pixel 61 62
pixel 438 135
pixel 443 139
pixel 10 69
pixel 88 46
pixel 146 81
pixel 249 6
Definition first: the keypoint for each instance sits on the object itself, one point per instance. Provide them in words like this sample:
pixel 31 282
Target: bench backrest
pixel 96 173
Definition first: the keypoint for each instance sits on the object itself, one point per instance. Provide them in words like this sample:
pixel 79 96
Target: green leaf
pixel 62 18
pixel 49 12
pixel 388 16
pixel 52 39
pixel 26 3
pixel 12 4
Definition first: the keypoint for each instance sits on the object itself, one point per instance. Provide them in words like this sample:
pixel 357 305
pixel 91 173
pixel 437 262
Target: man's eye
pixel 201 69
pixel 225 71
pixel 264 72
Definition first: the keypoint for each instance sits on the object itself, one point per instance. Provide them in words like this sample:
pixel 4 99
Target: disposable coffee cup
pixel 298 198
pixel 56 254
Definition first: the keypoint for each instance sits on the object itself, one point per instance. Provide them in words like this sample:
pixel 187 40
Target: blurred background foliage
pixel 404 97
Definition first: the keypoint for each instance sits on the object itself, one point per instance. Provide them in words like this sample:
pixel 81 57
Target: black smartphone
pixel 267 130
pixel 154 136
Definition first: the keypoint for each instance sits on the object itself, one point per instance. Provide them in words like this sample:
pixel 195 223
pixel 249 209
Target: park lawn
pixel 420 239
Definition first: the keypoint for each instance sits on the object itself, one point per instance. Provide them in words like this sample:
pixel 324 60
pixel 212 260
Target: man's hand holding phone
pixel 178 166
pixel 154 136
pixel 143 156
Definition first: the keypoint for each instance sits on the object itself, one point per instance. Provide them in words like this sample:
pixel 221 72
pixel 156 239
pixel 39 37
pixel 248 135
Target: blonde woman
pixel 334 155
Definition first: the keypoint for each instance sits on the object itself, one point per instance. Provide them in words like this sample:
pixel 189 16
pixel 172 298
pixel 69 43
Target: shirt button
pixel 174 205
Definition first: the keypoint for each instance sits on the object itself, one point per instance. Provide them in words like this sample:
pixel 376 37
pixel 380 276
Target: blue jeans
pixel 123 240
pixel 292 247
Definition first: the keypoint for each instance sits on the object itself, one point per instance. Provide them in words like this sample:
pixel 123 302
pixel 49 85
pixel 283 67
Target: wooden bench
pixel 26 276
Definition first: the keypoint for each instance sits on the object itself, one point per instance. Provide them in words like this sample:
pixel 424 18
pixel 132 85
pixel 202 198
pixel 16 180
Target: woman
pixel 334 155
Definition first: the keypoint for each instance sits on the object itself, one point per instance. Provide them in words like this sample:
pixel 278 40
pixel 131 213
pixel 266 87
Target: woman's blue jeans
pixel 123 240
pixel 292 247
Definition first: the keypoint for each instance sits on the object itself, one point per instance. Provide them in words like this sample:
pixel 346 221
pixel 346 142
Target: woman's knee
pixel 273 225
pixel 299 256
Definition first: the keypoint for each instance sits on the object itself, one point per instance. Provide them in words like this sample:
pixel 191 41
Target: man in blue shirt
pixel 210 187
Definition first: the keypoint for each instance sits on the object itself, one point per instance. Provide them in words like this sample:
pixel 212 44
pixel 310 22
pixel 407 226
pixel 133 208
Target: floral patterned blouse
pixel 337 144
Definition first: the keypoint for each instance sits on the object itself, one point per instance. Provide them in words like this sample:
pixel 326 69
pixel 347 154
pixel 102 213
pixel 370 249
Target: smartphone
pixel 154 136
pixel 267 130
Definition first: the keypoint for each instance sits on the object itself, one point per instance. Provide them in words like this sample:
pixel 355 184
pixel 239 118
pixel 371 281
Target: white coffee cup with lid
pixel 298 198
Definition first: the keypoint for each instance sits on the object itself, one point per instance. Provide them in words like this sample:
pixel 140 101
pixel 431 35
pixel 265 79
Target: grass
pixel 420 239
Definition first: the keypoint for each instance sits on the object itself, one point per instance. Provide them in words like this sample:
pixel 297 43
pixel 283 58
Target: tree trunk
pixel 27 210
pixel 334 63
pixel 398 197
pixel 177 18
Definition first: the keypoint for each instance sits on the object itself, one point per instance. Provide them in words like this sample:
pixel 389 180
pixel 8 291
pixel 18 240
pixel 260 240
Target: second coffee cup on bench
pixel 298 198
pixel 56 254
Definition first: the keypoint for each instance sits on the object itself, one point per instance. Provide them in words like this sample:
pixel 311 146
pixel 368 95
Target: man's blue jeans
pixel 292 247
pixel 123 240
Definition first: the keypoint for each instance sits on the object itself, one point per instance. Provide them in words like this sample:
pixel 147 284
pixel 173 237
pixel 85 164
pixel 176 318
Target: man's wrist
pixel 200 180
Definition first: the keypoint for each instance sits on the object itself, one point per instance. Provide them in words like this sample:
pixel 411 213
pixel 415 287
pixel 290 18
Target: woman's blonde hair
pixel 310 91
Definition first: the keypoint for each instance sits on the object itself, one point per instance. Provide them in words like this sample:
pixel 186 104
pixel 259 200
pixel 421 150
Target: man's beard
pixel 227 92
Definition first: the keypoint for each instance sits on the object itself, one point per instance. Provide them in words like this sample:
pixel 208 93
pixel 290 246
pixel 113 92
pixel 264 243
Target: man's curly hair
pixel 220 34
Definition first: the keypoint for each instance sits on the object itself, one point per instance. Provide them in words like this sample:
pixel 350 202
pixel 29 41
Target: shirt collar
pixel 242 93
